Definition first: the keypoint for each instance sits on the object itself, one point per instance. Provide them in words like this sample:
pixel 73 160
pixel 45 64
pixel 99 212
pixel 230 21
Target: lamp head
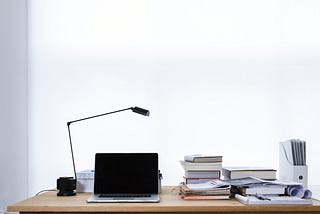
pixel 142 111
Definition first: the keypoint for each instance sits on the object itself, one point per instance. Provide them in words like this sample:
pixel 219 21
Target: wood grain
pixel 170 202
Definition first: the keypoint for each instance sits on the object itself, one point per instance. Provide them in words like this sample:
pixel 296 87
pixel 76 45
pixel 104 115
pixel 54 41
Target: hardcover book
pixel 214 174
pixel 243 172
pixel 189 166
pixel 197 158
pixel 263 189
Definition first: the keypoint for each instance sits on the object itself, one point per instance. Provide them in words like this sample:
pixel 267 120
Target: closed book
pixel 263 189
pixel 198 158
pixel 214 174
pixel 243 172
pixel 205 197
pixel 189 166
pixel 197 180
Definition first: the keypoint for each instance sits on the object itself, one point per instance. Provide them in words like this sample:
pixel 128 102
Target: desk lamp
pixel 67 185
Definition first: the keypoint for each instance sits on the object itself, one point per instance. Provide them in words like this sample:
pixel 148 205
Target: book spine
pixel 197 180
pixel 205 197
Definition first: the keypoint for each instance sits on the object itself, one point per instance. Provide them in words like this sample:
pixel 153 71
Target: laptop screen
pixel 126 173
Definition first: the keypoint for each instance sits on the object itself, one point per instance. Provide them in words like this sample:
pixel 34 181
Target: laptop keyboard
pixel 124 195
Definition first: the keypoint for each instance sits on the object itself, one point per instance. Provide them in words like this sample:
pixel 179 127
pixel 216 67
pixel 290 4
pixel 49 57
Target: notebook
pixel 126 177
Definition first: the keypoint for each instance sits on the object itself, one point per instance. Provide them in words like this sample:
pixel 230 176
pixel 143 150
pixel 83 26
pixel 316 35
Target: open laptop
pixel 126 177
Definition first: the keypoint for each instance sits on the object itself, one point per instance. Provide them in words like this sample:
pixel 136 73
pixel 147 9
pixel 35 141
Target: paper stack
pixel 253 191
pixel 214 189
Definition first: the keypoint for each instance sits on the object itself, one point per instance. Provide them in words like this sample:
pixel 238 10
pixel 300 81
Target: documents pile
pixel 214 189
pixel 253 191
pixel 201 168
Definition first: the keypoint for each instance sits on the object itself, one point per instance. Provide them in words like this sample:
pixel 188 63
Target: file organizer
pixel 292 162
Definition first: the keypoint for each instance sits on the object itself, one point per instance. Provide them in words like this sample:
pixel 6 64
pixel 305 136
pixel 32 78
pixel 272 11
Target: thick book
pixel 205 197
pixel 272 200
pixel 263 189
pixel 243 172
pixel 198 158
pixel 197 180
pixel 189 166
pixel 213 174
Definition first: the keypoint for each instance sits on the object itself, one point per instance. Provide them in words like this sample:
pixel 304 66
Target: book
pixel 243 172
pixel 197 180
pixel 272 200
pixel 190 166
pixel 214 174
pixel 262 189
pixel 198 158
pixel 205 197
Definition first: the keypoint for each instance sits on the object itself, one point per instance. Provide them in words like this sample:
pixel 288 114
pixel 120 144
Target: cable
pixel 46 190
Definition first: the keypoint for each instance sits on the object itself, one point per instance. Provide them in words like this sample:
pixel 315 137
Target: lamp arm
pixel 99 115
pixel 86 118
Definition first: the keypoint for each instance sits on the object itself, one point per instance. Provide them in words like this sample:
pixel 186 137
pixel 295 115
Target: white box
pixel 85 181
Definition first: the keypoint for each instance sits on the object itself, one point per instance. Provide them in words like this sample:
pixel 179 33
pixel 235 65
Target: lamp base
pixel 66 186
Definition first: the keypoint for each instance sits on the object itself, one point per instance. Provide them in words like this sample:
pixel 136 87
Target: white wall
pixel 231 78
pixel 13 101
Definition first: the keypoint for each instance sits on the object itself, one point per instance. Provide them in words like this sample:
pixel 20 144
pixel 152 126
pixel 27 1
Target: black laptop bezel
pixel 136 165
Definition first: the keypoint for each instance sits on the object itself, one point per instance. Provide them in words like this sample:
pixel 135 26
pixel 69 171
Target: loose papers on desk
pixel 214 184
pixel 292 188
pixel 270 200
pixel 214 189
pixel 294 192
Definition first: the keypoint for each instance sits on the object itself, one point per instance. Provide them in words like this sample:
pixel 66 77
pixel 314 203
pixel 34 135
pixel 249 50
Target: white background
pixel 229 78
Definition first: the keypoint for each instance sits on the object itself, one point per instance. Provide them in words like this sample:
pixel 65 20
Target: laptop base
pixel 95 198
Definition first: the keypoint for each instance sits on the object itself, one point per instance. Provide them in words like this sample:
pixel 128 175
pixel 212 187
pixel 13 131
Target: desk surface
pixel 170 203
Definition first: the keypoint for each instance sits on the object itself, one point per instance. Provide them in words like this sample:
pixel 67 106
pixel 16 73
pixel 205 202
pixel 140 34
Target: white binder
pixel 288 171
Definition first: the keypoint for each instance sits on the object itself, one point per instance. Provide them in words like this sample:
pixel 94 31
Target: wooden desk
pixel 170 203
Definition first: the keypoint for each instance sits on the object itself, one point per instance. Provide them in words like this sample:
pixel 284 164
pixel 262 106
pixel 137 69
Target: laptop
pixel 126 177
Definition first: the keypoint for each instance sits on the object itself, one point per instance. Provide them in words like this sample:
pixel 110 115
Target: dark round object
pixel 66 186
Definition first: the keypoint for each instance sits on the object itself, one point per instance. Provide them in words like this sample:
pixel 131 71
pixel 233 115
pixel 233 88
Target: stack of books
pixel 202 178
pixel 244 172
pixel 201 168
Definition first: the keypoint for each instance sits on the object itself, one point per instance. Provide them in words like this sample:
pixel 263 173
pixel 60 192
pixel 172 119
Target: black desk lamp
pixel 68 185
